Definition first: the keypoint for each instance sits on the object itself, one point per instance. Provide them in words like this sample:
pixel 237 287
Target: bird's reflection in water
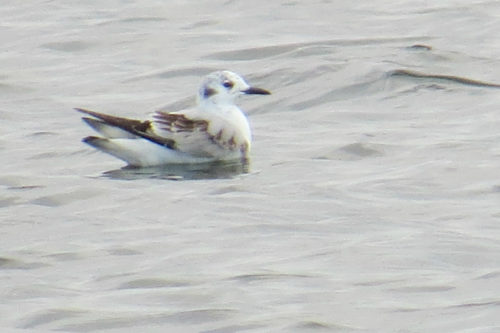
pixel 214 170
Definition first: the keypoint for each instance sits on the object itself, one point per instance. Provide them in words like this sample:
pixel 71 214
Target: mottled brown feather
pixel 178 123
pixel 244 149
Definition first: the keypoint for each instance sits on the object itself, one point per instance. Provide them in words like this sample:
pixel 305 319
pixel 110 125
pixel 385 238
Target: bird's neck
pixel 216 103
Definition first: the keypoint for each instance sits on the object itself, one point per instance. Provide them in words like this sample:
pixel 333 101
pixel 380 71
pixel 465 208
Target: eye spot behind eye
pixel 207 92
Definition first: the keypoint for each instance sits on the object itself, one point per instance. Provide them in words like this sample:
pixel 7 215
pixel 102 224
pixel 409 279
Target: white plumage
pixel 216 130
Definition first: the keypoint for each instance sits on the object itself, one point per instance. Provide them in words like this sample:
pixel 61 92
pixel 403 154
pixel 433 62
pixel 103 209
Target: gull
pixel 216 130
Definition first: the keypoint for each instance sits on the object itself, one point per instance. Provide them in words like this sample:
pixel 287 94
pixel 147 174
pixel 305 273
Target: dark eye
pixel 228 84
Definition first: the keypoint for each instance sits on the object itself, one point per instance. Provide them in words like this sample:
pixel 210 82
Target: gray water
pixel 371 203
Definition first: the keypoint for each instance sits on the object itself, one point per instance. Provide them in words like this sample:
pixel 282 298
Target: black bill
pixel 256 91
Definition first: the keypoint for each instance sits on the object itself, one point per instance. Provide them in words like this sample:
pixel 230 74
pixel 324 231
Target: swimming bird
pixel 216 130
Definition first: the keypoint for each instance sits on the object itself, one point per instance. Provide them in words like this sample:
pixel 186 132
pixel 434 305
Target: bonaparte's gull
pixel 215 130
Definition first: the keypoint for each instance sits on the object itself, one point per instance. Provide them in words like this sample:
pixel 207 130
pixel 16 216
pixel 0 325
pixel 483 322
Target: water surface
pixel 370 203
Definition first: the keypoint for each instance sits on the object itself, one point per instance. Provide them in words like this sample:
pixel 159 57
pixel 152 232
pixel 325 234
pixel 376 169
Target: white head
pixel 223 87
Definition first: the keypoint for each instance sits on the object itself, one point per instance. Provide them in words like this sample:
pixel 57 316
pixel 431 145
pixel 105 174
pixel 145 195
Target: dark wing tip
pixel 135 127
pixel 92 121
pixel 95 141
pixel 90 113
pixel 90 139
pixel 82 110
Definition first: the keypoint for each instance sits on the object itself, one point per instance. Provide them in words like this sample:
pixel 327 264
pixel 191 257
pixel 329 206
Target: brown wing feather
pixel 178 123
pixel 137 127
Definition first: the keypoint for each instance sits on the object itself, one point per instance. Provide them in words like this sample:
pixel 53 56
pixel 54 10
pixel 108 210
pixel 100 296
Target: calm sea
pixel 371 203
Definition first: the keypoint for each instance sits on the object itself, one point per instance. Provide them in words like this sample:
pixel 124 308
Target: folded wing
pixel 195 136
pixel 175 131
